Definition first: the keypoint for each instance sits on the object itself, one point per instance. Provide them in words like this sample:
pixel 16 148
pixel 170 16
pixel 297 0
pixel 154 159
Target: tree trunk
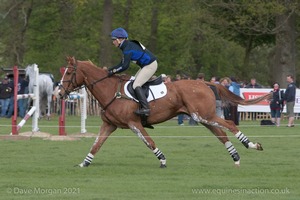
pixel 105 42
pixel 245 71
pixel 127 14
pixel 19 16
pixel 154 27
pixel 66 30
pixel 285 50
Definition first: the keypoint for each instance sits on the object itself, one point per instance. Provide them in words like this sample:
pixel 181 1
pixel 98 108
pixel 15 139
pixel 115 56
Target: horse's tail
pixel 227 96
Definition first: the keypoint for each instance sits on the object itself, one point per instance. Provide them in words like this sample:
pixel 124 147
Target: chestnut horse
pixel 191 97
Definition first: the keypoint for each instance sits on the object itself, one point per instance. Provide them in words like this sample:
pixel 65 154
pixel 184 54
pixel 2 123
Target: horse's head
pixel 29 70
pixel 72 78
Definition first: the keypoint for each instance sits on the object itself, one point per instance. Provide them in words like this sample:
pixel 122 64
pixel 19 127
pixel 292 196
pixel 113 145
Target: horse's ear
pixel 71 60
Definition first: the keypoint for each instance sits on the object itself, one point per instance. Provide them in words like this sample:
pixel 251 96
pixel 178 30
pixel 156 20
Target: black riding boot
pixel 144 110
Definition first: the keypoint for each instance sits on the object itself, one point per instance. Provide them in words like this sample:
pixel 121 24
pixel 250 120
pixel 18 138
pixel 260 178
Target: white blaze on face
pixel 56 92
pixel 61 81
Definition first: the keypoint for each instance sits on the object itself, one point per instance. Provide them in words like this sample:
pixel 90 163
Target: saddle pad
pixel 155 91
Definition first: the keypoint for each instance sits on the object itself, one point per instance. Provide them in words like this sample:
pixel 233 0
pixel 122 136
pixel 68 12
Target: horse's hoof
pixel 259 147
pixel 81 165
pixel 237 164
pixel 163 166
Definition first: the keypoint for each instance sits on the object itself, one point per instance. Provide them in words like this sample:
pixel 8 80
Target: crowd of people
pixel 7 97
pixel 230 112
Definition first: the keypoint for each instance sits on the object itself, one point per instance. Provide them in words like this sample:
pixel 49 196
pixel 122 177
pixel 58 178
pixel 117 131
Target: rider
pixel 134 51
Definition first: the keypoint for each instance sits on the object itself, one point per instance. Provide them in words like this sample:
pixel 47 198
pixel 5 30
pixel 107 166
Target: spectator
pixel 253 84
pixel 289 99
pixel 168 79
pixel 219 107
pixel 23 83
pixel 276 104
pixel 226 82
pixel 180 116
pixel 201 76
pixel 215 79
pixel 235 88
pixel 5 95
pixel 177 77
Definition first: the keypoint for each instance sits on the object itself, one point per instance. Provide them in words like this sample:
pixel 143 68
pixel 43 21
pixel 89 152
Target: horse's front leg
pixel 49 98
pixel 139 130
pixel 105 131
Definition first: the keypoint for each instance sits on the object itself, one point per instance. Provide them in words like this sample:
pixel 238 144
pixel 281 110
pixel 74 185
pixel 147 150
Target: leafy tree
pixel 252 24
pixel 14 24
pixel 220 38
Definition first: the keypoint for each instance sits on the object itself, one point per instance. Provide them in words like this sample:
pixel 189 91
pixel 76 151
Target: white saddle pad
pixel 155 91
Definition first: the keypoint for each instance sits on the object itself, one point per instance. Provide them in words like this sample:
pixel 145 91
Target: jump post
pixel 34 111
pixel 62 119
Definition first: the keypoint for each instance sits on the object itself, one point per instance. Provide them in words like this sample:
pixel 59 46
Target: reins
pixel 117 95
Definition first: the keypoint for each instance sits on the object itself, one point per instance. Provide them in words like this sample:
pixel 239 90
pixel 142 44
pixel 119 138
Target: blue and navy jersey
pixel 290 92
pixel 135 52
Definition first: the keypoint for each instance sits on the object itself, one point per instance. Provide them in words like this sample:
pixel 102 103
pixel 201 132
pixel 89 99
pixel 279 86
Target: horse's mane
pixel 124 77
pixel 88 62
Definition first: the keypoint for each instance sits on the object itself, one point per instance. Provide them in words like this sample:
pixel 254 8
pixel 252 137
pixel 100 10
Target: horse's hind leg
pixel 240 136
pixel 139 130
pixel 221 135
pixel 229 125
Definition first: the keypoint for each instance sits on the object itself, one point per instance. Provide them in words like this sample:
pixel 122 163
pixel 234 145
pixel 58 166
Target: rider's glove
pixel 110 73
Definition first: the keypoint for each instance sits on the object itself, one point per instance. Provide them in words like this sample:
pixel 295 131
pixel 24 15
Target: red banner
pixel 253 95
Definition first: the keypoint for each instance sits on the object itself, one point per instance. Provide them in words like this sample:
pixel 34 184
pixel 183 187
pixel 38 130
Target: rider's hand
pixel 110 73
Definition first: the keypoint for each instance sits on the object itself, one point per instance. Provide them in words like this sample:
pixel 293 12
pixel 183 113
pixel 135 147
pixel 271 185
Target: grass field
pixel 199 167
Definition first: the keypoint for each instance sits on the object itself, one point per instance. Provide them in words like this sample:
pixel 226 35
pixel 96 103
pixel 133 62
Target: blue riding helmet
pixel 119 33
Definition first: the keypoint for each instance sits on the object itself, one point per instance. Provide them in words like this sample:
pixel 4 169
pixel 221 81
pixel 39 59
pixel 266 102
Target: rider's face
pixel 117 42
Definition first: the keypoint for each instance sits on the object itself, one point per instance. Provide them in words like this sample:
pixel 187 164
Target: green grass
pixel 199 167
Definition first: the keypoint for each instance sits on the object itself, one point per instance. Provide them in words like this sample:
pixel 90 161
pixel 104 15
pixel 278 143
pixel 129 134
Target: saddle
pixel 153 89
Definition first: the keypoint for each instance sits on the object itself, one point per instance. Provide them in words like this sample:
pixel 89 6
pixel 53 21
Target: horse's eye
pixel 69 70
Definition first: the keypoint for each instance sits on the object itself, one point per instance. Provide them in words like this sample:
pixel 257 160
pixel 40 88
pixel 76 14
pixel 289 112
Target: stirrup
pixel 145 112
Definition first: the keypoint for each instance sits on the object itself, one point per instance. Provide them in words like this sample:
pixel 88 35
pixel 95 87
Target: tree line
pixel 238 38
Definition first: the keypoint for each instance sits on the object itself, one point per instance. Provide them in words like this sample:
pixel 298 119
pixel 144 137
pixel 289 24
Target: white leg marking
pixel 198 118
pixel 140 135
pixel 252 146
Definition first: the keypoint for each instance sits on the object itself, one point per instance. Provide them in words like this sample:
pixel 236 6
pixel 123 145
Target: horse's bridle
pixel 72 82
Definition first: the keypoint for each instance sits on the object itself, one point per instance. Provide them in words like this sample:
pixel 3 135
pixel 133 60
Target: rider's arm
pixel 123 65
